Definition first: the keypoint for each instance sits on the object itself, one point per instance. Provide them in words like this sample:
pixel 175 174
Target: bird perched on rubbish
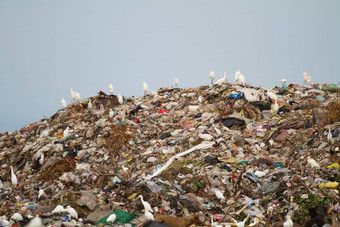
pixel 271 95
pixel 283 81
pixel 306 77
pixel 63 103
pixel 241 224
pixel 71 212
pixel 120 99
pixel 275 108
pixel 239 78
pixel 149 216
pixel 147 206
pixel 58 209
pixel 41 193
pixel 111 114
pixel 73 96
pixel 66 133
pixel 212 76
pixel 222 80
pixel 145 88
pixel 17 217
pixel 89 105
pixel 329 135
pixel 288 222
pixel 77 96
pixel 176 82
pixel 35 222
pixel 14 178
pixel 111 89
pixel 313 163
pixel 111 218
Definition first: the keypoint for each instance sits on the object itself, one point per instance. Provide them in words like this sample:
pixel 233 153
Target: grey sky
pixel 47 47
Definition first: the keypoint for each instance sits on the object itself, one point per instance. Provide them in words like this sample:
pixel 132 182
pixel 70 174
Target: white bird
pixel 71 212
pixel 329 135
pixel 147 206
pixel 17 217
pixel 239 78
pixel 41 193
pixel 306 77
pixel 222 80
pixel 63 103
pixel 111 89
pixel 176 82
pixel 111 114
pixel 77 96
pixel 212 76
pixel 145 88
pixel 89 105
pixel 275 107
pixel 256 221
pixel 313 163
pixel 241 224
pixel 111 218
pixel 58 209
pixel 72 94
pixel 271 95
pixel 288 223
pixel 283 81
pixel 14 178
pixel 35 222
pixel 66 133
pixel 149 216
pixel 120 99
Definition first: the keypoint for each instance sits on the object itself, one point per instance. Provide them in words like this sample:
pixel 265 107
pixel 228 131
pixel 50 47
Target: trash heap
pixel 223 153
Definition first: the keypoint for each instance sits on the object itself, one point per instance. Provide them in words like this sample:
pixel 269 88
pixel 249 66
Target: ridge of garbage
pixel 221 153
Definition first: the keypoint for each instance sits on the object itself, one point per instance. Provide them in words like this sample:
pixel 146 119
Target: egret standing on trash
pixel 145 88
pixel 239 78
pixel 111 89
pixel 14 178
pixel 147 206
pixel 63 103
pixel 212 76
pixel 306 77
pixel 120 99
pixel 176 82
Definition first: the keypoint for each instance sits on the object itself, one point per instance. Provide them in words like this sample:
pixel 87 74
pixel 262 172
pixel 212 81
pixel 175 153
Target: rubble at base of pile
pixel 211 155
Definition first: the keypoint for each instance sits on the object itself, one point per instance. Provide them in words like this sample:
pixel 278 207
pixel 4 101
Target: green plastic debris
pixel 121 217
pixel 284 86
pixel 242 162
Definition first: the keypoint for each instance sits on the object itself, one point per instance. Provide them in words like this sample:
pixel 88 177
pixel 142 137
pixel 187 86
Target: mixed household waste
pixel 218 155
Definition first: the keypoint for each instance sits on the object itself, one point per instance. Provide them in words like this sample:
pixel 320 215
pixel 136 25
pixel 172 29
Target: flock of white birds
pixel 239 79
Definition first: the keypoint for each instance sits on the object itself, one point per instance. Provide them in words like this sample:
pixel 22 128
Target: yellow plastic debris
pixel 333 165
pixel 132 196
pixel 328 185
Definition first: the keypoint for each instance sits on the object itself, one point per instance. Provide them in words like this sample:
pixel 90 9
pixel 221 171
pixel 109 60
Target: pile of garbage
pixel 219 155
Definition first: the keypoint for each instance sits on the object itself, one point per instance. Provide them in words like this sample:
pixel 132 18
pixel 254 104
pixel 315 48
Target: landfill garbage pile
pixel 219 155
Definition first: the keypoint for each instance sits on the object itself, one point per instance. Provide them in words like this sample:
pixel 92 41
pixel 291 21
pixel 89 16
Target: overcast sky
pixel 48 47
